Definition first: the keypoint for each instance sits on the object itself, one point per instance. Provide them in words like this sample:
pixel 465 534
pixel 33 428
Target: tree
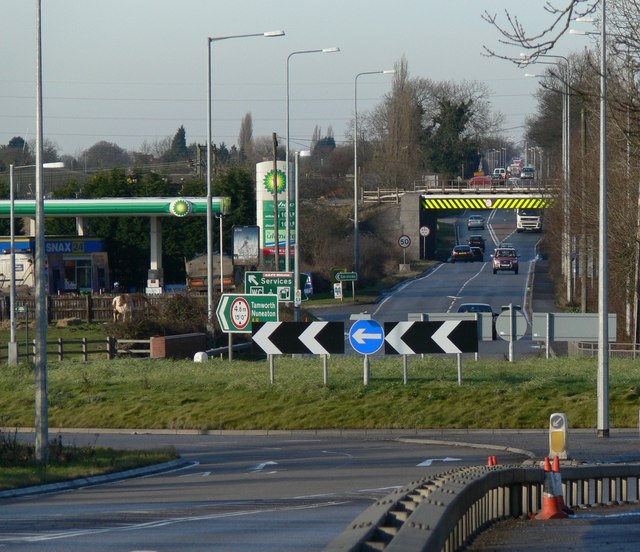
pixel 105 155
pixel 178 150
pixel 245 138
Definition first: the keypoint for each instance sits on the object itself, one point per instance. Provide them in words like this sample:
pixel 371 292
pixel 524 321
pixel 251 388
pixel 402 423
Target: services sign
pixel 279 283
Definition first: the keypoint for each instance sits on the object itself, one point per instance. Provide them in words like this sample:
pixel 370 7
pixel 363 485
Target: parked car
pixel 461 253
pixel 505 259
pixel 478 254
pixel 475 221
pixel 476 241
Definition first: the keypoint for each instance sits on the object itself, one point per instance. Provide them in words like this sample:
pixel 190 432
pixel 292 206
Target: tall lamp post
pixel 356 228
pixel 287 254
pixel 603 238
pixel 296 245
pixel 209 213
pixel 12 347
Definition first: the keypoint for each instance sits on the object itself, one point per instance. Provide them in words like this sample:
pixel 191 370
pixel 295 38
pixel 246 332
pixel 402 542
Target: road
pixel 448 285
pixel 239 492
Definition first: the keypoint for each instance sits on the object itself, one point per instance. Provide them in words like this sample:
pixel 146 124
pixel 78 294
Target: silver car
pixel 475 222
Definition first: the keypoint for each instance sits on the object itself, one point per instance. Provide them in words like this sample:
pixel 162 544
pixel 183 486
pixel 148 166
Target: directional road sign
pixel 315 338
pixel 346 276
pixel 450 336
pixel 366 336
pixel 237 312
pixel 280 283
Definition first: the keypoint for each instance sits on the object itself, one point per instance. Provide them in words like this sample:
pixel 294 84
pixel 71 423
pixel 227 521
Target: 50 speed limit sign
pixel 404 241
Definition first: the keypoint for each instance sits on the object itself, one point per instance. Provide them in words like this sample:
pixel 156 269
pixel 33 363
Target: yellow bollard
pixel 558 427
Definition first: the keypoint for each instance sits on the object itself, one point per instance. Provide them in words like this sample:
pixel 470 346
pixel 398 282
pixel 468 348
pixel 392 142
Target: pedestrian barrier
pixel 446 511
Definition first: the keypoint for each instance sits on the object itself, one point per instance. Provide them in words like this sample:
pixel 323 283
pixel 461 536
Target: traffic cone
pixel 495 460
pixel 557 482
pixel 551 508
pixel 490 461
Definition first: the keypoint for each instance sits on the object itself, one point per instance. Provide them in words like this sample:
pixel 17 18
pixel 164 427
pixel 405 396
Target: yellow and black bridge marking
pixel 486 202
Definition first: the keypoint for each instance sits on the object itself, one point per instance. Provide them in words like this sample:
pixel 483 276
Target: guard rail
pixel 445 512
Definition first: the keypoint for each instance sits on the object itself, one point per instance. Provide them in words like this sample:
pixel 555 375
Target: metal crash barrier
pixel 443 513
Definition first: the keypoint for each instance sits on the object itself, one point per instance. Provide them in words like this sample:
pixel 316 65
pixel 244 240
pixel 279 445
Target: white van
pixel 499 173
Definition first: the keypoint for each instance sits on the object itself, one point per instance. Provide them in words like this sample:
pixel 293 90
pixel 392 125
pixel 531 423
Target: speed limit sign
pixel 404 241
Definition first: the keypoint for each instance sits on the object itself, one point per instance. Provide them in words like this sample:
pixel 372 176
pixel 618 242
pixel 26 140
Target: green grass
pixel 238 395
pixel 18 467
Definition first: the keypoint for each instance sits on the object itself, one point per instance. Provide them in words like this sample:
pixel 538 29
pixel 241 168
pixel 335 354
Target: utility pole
pixel 276 227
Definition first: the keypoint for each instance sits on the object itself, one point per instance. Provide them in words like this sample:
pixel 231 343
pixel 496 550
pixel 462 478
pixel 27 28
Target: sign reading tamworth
pixel 237 312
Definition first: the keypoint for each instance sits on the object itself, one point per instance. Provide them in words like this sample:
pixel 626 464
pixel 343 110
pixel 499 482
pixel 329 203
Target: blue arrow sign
pixel 366 336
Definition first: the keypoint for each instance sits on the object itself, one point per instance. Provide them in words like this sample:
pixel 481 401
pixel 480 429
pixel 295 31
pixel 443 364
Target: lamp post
pixel 603 250
pixel 12 352
pixel 296 245
pixel 287 254
pixel 566 173
pixel 356 227
pixel 209 213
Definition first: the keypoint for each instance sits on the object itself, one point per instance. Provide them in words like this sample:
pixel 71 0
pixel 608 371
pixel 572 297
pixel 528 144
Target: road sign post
pixel 280 283
pixel 237 312
pixel 348 277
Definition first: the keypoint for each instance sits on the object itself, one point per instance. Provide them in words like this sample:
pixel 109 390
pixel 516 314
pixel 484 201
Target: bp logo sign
pixel 269 181
pixel 180 207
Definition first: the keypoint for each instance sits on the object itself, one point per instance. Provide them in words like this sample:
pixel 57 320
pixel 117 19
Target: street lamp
pixel 209 214
pixel 566 172
pixel 12 352
pixel 356 229
pixel 296 245
pixel 603 250
pixel 287 254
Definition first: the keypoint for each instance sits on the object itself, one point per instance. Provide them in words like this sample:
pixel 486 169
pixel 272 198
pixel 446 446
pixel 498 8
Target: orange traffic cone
pixel 495 460
pixel 557 481
pixel 551 508
pixel 490 461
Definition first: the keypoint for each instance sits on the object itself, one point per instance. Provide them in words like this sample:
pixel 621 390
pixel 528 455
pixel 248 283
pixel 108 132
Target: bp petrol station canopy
pixel 118 207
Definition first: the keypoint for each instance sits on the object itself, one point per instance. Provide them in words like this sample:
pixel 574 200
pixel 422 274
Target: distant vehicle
pixel 527 173
pixel 529 220
pixel 481 308
pixel 499 173
pixel 480 182
pixel 461 253
pixel 196 272
pixel 505 259
pixel 476 241
pixel 478 254
pixel 475 221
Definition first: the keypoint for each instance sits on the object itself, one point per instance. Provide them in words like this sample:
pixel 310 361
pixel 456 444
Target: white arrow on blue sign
pixel 366 336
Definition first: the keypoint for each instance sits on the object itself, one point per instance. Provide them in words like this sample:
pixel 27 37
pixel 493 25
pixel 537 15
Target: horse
pixel 120 308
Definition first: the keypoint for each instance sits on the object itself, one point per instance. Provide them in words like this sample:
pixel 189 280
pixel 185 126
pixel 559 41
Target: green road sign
pixel 279 283
pixel 346 276
pixel 237 312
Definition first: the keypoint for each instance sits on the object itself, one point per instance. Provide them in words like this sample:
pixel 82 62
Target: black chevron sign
pixel 290 338
pixel 450 336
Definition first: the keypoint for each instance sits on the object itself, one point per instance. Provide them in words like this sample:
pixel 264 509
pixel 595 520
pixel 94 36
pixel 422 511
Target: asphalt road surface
pixel 240 493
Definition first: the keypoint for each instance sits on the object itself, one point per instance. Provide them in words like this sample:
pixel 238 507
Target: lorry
pixel 196 273
pixel 24 273
pixel 529 220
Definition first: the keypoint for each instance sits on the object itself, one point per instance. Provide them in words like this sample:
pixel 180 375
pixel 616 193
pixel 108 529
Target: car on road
pixel 480 308
pixel 505 258
pixel 480 182
pixel 527 173
pixel 478 254
pixel 475 222
pixel 476 241
pixel 461 253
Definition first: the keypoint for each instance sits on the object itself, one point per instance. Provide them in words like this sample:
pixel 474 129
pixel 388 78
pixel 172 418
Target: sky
pixel 132 72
